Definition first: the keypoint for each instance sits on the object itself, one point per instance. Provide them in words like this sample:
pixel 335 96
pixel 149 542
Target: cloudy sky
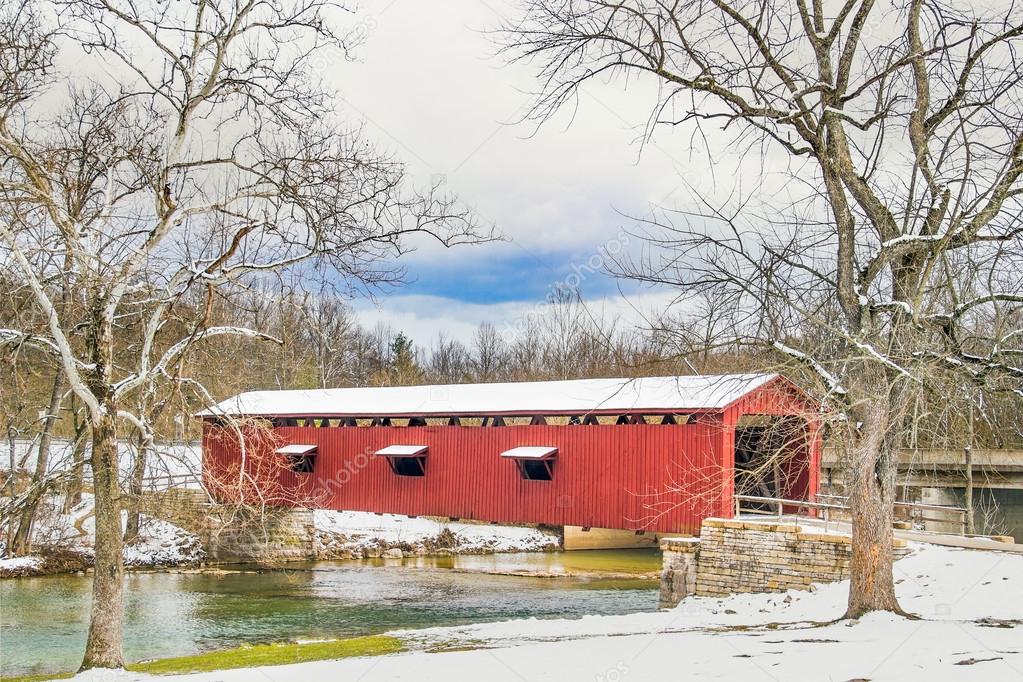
pixel 428 87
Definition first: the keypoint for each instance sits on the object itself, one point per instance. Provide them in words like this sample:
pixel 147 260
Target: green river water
pixel 43 621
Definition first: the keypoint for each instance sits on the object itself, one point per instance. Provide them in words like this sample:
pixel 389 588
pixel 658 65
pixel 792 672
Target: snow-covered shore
pixel 970 605
pixel 65 544
pixel 347 535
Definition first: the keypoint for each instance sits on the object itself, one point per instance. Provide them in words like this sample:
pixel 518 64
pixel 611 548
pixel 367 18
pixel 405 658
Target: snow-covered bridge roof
pixel 657 394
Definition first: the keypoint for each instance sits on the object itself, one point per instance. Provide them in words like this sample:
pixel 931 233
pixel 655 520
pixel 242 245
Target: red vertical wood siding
pixel 655 477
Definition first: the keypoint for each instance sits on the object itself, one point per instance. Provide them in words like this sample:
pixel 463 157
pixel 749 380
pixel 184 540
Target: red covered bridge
pixel 656 453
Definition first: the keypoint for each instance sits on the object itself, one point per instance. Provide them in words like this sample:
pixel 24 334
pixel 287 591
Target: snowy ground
pixel 970 603
pixel 345 534
pixel 159 544
pixel 21 565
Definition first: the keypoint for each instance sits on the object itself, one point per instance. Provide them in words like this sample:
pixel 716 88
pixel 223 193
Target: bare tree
pixel 196 151
pixel 489 355
pixel 23 536
pixel 328 331
pixel 900 132
pixel 448 362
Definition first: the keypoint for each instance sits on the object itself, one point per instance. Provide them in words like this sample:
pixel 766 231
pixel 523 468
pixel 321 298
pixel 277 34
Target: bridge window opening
pixel 535 463
pixel 300 458
pixel 302 464
pixel 405 460
pixel 408 466
pixel 536 471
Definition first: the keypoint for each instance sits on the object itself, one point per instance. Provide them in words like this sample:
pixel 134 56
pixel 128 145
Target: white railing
pixel 827 503
pixel 167 481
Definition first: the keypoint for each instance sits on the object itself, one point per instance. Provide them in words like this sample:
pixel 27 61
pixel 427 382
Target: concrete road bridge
pixel 940 476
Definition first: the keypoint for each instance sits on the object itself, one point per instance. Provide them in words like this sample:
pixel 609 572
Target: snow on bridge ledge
pixel 655 394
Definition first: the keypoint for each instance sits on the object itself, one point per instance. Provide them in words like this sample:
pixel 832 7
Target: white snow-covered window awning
pixel 405 460
pixel 533 452
pixel 296 449
pixel 299 456
pixel 403 451
pixel 535 462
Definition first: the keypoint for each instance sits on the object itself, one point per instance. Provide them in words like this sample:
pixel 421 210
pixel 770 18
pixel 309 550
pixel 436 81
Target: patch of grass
pixel 37 678
pixel 254 655
pixel 273 654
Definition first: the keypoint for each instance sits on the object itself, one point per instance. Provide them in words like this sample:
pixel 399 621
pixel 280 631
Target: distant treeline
pixel 319 342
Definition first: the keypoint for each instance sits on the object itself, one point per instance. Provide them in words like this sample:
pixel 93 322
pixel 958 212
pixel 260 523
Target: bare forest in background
pixel 324 345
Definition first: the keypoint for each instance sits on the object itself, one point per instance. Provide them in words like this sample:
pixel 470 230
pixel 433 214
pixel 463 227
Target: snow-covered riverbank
pixel 347 535
pixel 65 544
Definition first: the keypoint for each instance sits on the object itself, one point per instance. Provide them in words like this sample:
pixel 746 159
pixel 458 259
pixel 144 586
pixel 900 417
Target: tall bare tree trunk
pixel 872 585
pixel 12 484
pixel 872 498
pixel 138 469
pixel 23 538
pixel 971 525
pixel 73 496
pixel 103 647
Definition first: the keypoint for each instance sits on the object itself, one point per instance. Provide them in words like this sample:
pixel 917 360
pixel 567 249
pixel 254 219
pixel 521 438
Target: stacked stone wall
pixel 184 507
pixel 733 556
pixel 236 534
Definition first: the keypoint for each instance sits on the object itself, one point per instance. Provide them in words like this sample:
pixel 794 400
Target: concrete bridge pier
pixel 678 570
pixel 578 537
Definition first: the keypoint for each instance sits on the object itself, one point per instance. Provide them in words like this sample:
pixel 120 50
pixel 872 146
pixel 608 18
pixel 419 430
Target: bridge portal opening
pixel 771 457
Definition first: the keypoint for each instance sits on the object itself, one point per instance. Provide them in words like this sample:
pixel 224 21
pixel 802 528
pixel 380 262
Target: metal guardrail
pixel 777 507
